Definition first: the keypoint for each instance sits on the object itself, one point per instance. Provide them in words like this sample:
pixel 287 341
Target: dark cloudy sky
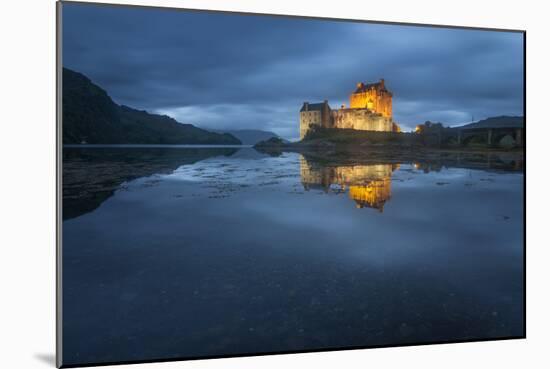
pixel 232 71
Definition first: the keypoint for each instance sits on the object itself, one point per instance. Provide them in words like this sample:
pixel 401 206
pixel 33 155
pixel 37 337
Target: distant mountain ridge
pixel 503 121
pixel 91 116
pixel 247 136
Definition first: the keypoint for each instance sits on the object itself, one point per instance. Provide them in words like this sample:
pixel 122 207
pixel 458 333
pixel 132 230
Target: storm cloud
pixel 231 71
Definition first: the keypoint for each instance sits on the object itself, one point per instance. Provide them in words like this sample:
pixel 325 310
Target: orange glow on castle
pixel 372 96
pixel 370 109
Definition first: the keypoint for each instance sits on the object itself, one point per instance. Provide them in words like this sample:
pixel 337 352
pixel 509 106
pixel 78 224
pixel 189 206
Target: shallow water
pixel 174 253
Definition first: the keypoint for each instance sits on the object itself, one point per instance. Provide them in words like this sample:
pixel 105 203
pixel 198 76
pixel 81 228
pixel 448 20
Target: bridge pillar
pixel 519 137
pixel 489 136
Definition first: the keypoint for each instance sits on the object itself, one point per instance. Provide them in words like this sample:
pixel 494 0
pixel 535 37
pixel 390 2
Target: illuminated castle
pixel 370 109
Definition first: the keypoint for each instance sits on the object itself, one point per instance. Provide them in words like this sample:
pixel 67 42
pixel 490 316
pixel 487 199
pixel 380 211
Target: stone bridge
pixel 490 134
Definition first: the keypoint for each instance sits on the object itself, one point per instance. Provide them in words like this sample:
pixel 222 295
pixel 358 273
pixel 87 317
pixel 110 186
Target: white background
pixel 27 192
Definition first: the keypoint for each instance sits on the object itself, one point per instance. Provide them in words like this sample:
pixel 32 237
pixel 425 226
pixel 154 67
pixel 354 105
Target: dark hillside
pixel 91 116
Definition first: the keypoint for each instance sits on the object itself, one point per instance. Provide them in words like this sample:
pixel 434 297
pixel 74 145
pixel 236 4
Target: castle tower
pixel 372 96
pixel 312 115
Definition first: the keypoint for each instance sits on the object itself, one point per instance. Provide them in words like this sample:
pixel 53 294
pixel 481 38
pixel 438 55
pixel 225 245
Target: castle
pixel 370 109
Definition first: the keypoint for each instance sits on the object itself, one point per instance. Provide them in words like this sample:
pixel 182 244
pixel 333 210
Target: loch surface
pixel 193 252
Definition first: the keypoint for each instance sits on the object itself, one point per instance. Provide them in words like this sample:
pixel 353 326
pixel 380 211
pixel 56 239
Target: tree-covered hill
pixel 91 116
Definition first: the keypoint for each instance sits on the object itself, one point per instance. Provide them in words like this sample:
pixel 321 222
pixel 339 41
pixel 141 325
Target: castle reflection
pixel 368 185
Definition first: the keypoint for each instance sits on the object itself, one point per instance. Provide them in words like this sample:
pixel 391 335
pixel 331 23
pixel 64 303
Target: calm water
pixel 178 252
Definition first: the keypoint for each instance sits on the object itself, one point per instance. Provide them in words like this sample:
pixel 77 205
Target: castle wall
pixel 361 119
pixel 307 118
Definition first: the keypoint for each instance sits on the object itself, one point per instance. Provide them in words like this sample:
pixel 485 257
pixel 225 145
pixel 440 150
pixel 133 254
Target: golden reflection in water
pixel 374 195
pixel 368 185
